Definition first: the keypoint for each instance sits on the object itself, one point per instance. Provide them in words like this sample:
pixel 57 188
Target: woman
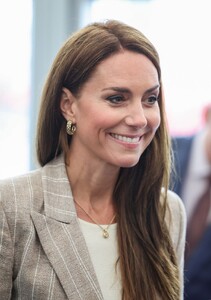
pixel 96 221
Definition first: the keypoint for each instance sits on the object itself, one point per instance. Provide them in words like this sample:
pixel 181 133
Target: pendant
pixel 105 234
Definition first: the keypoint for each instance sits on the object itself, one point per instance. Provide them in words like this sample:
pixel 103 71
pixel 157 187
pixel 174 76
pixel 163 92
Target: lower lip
pixel 126 144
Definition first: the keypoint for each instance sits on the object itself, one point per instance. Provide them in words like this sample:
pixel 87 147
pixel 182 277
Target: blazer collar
pixel 61 237
pixel 58 198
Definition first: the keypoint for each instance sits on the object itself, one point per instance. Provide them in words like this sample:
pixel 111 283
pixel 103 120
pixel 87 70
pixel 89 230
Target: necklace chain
pixel 105 230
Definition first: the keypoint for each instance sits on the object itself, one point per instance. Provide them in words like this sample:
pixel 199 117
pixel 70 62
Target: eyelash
pixel 152 98
pixel 116 99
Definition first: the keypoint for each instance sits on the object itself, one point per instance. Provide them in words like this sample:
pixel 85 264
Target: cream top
pixel 104 254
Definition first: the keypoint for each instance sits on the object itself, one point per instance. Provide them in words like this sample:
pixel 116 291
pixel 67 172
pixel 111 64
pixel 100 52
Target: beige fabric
pixel 43 254
pixel 177 222
pixel 104 255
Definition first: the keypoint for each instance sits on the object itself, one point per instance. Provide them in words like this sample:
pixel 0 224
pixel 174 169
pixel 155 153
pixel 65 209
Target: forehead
pixel 127 64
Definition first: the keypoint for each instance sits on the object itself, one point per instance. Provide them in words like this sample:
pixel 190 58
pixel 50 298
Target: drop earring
pixel 70 128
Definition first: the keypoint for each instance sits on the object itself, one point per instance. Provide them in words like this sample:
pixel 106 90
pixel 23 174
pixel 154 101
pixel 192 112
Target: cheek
pixel 154 119
pixel 93 122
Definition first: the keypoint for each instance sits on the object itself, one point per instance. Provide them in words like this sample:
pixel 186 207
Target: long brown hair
pixel 146 256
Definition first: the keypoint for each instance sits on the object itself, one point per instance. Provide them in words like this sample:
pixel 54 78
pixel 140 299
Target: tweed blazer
pixel 43 254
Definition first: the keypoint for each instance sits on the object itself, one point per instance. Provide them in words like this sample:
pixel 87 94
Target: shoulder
pixel 176 219
pixel 175 204
pixel 176 223
pixel 19 190
pixel 6 184
pixel 175 209
pixel 25 192
pixel 18 196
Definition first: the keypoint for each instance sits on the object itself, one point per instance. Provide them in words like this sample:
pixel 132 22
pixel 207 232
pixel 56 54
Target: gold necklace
pixel 105 230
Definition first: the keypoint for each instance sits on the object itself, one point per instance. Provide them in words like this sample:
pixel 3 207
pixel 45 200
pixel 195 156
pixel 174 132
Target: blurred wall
pixel 53 22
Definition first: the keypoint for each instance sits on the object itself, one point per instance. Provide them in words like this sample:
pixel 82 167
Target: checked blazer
pixel 43 253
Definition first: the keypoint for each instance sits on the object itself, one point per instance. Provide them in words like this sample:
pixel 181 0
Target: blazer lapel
pixel 61 237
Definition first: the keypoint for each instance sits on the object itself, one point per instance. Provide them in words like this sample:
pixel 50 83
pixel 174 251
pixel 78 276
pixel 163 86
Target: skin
pixel 117 115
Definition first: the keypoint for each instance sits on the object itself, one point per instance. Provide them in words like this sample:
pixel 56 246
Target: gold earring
pixel 70 127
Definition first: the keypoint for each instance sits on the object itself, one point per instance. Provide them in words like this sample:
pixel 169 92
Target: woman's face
pixel 117 112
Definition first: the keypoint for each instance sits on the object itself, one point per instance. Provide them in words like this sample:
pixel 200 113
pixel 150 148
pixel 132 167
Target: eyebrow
pixel 126 90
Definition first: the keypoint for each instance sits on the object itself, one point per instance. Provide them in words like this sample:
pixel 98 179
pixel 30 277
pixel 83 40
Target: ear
pixel 67 104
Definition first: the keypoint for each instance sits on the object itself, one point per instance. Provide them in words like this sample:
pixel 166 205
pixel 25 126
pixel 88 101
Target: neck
pixel 91 181
pixel 92 188
pixel 91 191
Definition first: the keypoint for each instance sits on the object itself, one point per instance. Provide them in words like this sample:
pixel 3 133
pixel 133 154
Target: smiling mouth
pixel 126 139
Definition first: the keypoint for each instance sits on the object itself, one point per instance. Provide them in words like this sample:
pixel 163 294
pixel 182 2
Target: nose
pixel 136 116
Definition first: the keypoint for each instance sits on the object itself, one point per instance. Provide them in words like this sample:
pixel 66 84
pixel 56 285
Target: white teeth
pixel 126 138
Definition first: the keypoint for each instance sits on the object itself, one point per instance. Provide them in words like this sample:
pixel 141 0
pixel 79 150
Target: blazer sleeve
pixel 6 256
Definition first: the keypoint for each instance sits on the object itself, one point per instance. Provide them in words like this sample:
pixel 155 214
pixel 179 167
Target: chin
pixel 128 164
pixel 129 161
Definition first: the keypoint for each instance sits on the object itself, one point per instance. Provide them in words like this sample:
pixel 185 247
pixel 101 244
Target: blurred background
pixel 32 32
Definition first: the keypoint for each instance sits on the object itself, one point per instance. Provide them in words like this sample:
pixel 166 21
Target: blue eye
pixel 116 99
